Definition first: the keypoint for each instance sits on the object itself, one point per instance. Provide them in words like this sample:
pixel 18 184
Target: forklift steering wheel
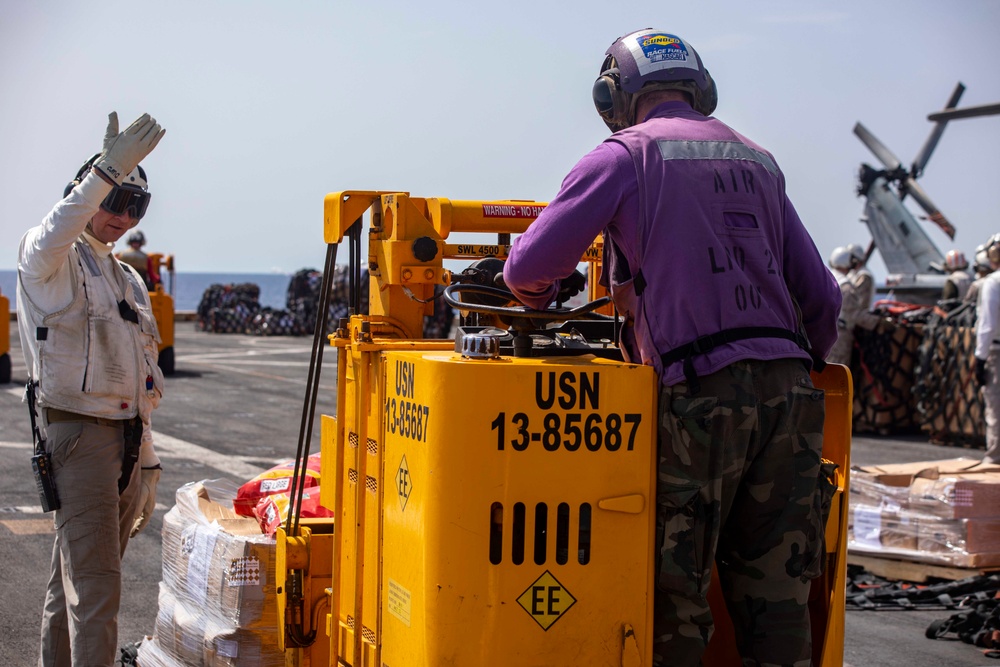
pixel 519 316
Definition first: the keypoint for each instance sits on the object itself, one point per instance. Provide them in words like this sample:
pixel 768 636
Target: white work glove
pixel 124 151
pixel 150 477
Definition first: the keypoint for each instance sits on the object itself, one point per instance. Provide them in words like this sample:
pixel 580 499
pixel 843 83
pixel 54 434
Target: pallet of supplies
pixel 228 308
pixel 938 512
pixel 882 367
pixel 948 399
pixel 217 603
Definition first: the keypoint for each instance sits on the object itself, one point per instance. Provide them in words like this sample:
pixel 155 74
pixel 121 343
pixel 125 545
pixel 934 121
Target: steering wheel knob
pixel 480 346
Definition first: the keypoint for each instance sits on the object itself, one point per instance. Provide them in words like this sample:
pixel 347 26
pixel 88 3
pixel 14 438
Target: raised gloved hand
pixel 150 477
pixel 982 375
pixel 123 151
pixel 571 285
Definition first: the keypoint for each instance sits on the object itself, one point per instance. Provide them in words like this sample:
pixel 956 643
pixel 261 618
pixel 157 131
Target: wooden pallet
pixel 905 570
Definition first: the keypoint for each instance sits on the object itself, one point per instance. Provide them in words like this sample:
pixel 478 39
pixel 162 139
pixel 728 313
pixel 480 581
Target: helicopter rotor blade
pixel 911 187
pixel 966 112
pixel 884 155
pixel 925 153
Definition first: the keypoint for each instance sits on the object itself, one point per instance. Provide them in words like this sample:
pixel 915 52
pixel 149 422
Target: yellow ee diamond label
pixel 403 484
pixel 546 600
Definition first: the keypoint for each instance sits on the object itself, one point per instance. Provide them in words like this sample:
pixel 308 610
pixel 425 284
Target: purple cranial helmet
pixel 648 60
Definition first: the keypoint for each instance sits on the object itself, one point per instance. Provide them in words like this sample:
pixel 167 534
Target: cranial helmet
pixel 992 247
pixel 982 260
pixel 955 260
pixel 841 258
pixel 137 237
pixel 644 61
pixel 857 252
pixel 136 179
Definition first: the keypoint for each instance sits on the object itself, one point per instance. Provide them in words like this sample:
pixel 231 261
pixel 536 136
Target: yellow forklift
pixel 493 494
pixel 5 363
pixel 162 303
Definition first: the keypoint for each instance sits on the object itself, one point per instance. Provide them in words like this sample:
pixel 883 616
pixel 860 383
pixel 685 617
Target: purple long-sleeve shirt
pixel 685 206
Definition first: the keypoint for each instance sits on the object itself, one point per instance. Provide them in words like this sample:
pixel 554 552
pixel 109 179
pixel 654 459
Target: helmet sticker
pixel 654 51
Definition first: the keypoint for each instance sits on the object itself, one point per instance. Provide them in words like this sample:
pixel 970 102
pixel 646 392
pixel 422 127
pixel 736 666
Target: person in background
pixel 860 276
pixel 854 307
pixel 90 345
pixel 982 268
pixel 988 349
pixel 140 261
pixel 959 280
pixel 730 323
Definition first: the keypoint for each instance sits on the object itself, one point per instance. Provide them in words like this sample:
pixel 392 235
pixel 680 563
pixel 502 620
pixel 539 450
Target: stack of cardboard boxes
pixel 939 512
pixel 217 604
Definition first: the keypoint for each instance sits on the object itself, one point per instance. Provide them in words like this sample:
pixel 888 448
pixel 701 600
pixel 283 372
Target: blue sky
pixel 270 105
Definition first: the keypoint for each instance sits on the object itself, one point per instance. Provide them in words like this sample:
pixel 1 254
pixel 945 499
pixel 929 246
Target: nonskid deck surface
pixel 233 409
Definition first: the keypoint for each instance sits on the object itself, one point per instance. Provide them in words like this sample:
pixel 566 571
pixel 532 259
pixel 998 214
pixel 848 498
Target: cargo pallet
pixel 907 570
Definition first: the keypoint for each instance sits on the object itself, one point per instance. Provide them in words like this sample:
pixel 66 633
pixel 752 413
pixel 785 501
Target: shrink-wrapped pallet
pixel 913 536
pixel 939 512
pixel 217 603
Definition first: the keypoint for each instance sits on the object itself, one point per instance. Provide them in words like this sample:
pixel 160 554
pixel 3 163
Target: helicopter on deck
pixel 915 265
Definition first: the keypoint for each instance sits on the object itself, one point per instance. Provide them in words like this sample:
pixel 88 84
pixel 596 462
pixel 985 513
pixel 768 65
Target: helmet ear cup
pixel 611 101
pixel 993 252
pixel 708 99
pixel 80 174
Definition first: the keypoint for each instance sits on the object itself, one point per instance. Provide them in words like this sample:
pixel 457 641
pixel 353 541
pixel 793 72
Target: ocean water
pixel 190 286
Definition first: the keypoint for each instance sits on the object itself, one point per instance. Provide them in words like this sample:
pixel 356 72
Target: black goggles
pixel 126 200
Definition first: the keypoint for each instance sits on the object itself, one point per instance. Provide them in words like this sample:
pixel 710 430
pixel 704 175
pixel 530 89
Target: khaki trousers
pixel 80 617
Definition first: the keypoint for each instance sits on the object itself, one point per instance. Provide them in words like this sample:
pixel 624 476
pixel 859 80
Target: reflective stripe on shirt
pixel 673 149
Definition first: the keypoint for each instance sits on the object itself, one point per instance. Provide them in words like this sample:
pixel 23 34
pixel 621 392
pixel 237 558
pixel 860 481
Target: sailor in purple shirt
pixel 724 292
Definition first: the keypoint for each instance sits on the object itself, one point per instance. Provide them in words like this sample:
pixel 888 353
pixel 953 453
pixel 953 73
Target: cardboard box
pixel 225 567
pixel 241 576
pixel 962 496
pixel 217 603
pixel 877 527
pixel 951 488
pixel 973 536
pixel 903 474
pixel 190 528
pixel 190 637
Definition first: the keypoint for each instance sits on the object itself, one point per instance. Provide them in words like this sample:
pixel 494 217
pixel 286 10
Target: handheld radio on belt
pixel 41 462
pixel 130 455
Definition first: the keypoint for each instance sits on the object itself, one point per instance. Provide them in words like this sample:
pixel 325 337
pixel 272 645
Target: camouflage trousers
pixel 737 486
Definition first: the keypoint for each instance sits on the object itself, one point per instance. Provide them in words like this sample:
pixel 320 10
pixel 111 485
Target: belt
pixel 55 415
